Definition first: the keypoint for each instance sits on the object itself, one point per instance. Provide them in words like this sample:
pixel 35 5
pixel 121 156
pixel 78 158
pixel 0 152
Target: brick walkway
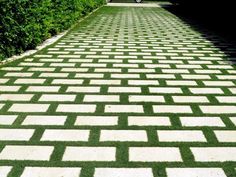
pixel 130 92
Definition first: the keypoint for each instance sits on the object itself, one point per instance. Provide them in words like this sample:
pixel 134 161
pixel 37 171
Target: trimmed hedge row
pixel 26 23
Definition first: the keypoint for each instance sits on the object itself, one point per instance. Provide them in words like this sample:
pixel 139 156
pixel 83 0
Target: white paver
pixel 84 89
pixel 214 154
pixel 206 91
pixel 148 121
pixel 226 135
pixel 96 120
pixel 18 152
pixel 65 135
pixel 29 108
pixel 9 88
pixel 16 97
pixel 146 98
pixel 51 172
pixel 202 121
pixel 181 136
pixel 7 119
pixel 57 97
pixel 219 109
pixel 44 120
pixel 123 172
pixel 124 109
pixel 16 134
pixel 43 89
pixel 233 119
pixel 80 108
pixel 195 172
pixel 5 170
pixel 124 90
pixel 89 154
pixel 154 154
pixel 172 109
pixel 190 99
pixel 101 98
pixel 165 90
pixel 123 135
pixel 226 99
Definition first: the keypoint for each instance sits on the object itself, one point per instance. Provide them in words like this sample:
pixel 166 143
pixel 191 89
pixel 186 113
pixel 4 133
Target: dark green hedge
pixel 26 23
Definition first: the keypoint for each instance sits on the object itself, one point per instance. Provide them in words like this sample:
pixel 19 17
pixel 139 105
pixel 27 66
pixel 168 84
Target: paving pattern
pixel 130 92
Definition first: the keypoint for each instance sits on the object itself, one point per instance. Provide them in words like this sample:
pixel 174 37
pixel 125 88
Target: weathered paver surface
pixel 130 92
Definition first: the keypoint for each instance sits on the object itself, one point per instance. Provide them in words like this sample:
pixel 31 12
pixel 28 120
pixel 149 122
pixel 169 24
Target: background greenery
pixel 26 23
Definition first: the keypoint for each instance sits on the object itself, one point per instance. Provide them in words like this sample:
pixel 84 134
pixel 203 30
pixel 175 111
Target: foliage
pixel 26 23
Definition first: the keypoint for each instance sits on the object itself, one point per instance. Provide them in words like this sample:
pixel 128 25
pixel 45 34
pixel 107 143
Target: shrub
pixel 26 23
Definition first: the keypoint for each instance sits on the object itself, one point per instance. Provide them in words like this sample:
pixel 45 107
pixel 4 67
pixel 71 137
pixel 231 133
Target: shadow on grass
pixel 216 23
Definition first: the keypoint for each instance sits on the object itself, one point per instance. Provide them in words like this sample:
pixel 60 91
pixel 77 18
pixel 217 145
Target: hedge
pixel 26 23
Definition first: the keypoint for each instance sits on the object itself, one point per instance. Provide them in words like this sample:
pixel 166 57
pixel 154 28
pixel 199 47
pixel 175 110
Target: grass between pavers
pixel 122 147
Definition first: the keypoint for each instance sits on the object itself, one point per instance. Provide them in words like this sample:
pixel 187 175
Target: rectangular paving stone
pixel 172 109
pixel 79 108
pixel 29 108
pixel 181 136
pixel 195 172
pixel 51 172
pixel 104 82
pixel 165 90
pixel 67 81
pixel 118 172
pixel 175 71
pixel 124 109
pixel 9 88
pixel 146 98
pixel 54 75
pixel 42 69
pixel 30 81
pixel 233 119
pixel 21 152
pixel 201 121
pixel 89 75
pixel 89 154
pixel 221 109
pixel 96 120
pixel 154 154
pixel 101 98
pixel 129 76
pixel 226 135
pixel 76 70
pixel 124 90
pixel 206 91
pixel 226 99
pixel 195 77
pixel 218 83
pixel 5 170
pixel 160 76
pixel 16 134
pixel 123 135
pixel 7 119
pixel 232 90
pixel 44 120
pixel 16 97
pixel 148 121
pixel 143 82
pixel 83 89
pixel 43 89
pixel 3 81
pixel 214 154
pixel 190 99
pixel 57 97
pixel 65 135
pixel 181 83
